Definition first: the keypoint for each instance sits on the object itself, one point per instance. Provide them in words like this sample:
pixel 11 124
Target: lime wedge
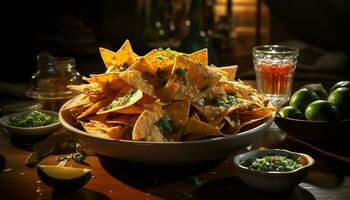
pixel 63 178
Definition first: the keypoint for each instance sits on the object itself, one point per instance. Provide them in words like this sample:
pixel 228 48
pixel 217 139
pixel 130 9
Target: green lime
pixel 290 112
pixel 339 84
pixel 340 97
pixel 63 178
pixel 322 110
pixel 302 98
pixel 318 88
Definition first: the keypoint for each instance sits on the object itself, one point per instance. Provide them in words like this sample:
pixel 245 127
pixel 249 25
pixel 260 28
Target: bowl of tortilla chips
pixel 165 107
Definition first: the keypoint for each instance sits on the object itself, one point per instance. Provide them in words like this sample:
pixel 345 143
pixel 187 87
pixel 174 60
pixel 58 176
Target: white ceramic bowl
pixel 29 132
pixel 272 181
pixel 166 153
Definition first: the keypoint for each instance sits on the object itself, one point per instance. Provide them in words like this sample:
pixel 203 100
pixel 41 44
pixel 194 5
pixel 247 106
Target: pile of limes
pixel 313 103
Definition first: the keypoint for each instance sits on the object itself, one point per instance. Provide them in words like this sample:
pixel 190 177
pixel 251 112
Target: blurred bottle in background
pixel 197 39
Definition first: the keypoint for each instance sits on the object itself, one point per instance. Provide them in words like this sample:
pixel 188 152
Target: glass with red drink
pixel 274 69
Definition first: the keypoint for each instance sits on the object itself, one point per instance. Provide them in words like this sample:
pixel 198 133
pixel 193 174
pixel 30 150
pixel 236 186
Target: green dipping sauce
pixel 33 119
pixel 272 163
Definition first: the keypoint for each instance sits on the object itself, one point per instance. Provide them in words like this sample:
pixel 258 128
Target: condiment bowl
pixel 272 180
pixel 30 131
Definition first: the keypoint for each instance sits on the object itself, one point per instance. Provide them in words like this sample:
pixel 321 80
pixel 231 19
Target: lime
pixel 63 178
pixel 290 112
pixel 340 97
pixel 339 84
pixel 302 98
pixel 322 110
pixel 318 88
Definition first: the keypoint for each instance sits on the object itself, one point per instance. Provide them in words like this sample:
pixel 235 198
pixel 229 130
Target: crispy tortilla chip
pixel 110 81
pixel 188 79
pixel 119 61
pixel 200 56
pixel 145 127
pixel 116 132
pixel 88 89
pixel 231 127
pixel 95 117
pixel 96 128
pixel 125 98
pixel 195 126
pixel 127 120
pixel 79 100
pixel 230 71
pixel 178 112
pixel 93 109
pixel 132 109
pixel 137 80
pixel 257 113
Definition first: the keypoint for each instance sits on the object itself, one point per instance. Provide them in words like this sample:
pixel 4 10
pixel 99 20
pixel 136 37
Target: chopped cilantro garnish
pixel 121 100
pixel 165 125
pixel 215 101
pixel 160 57
pixel 77 157
pixel 180 71
pixel 33 119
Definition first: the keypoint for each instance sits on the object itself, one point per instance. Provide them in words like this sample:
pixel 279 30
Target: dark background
pixel 78 28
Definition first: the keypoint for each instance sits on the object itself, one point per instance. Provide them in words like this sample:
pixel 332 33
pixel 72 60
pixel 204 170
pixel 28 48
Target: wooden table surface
pixel 115 179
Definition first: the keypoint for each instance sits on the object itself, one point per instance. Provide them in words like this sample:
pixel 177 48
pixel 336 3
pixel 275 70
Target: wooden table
pixel 116 179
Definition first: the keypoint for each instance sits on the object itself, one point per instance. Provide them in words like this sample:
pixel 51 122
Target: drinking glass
pixel 274 67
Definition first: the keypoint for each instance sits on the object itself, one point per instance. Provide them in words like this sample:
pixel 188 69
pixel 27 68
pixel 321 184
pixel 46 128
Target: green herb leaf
pixel 165 125
pixel 160 57
pixel 77 157
pixel 180 71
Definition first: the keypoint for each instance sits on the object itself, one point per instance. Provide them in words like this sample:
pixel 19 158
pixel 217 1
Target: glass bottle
pixel 48 83
pixel 197 39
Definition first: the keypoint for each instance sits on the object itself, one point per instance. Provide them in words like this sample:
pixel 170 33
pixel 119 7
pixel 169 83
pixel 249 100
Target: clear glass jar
pixel 49 83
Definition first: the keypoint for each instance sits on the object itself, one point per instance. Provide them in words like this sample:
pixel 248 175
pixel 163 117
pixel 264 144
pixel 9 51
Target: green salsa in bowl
pixel 272 169
pixel 31 123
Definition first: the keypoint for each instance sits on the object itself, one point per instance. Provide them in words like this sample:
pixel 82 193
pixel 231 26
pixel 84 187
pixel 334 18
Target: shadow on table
pixel 144 176
pixel 81 194
pixel 234 188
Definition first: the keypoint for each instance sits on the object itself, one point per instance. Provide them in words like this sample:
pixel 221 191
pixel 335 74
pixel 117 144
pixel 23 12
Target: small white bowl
pixel 272 181
pixel 29 132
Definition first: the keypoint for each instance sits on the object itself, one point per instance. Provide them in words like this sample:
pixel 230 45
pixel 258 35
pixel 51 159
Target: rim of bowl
pixel 263 152
pixel 52 113
pixel 311 121
pixel 75 130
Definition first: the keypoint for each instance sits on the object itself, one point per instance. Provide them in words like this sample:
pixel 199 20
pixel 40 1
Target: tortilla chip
pixel 127 120
pixel 116 132
pixel 230 71
pixel 77 101
pixel 95 117
pixel 126 97
pixel 145 127
pixel 132 109
pixel 110 81
pixel 197 127
pixel 96 128
pixel 94 108
pixel 187 80
pixel 178 112
pixel 200 56
pixel 257 113
pixel 135 79
pixel 88 89
pixel 231 127
pixel 119 61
